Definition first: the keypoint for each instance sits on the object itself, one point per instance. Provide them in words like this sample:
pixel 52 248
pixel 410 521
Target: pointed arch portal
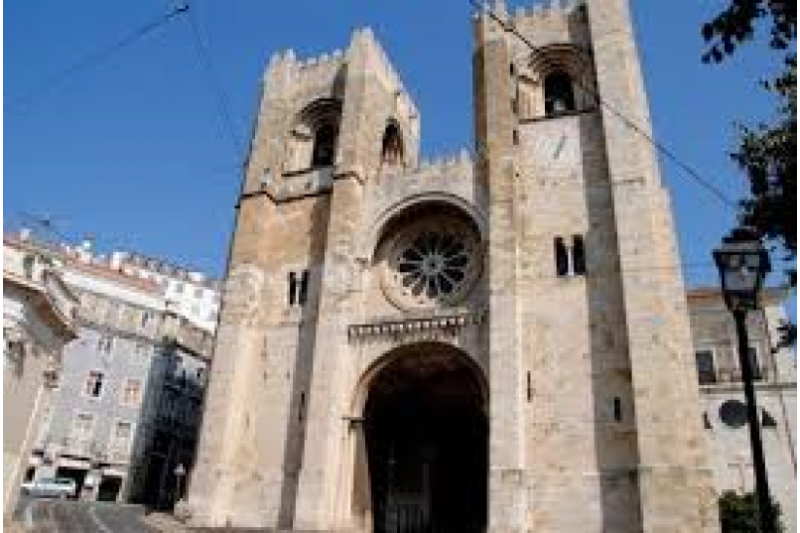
pixel 426 441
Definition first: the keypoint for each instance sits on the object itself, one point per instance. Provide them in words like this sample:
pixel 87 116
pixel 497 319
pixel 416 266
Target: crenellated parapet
pixel 546 23
pixel 458 165
pixel 554 9
pixel 381 67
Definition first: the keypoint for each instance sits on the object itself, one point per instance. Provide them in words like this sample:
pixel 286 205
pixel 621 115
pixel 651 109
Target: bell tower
pixel 325 128
pixel 593 393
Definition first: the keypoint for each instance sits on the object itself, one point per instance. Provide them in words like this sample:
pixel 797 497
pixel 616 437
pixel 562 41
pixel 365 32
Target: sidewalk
pixel 164 522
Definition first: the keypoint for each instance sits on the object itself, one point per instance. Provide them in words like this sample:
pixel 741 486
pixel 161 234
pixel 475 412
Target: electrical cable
pixel 47 84
pixel 223 108
pixel 660 147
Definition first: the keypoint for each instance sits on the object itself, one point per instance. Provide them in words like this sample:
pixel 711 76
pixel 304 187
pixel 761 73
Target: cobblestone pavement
pixel 63 516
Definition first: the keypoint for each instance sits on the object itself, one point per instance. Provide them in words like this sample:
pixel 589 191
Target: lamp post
pixel 743 264
pixel 180 472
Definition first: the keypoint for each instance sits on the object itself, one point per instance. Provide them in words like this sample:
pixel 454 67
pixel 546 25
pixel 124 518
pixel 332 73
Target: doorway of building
pixel 426 438
pixel 109 488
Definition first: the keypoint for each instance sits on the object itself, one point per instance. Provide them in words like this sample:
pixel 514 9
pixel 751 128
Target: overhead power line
pixel 667 152
pixel 222 105
pixel 48 83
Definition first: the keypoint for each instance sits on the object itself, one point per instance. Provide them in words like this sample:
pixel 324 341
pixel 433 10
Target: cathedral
pixel 473 343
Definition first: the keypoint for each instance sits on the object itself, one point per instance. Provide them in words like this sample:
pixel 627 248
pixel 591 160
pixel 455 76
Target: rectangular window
pixel 561 257
pixel 292 287
pixel 121 435
pixel 752 354
pixel 706 374
pixel 105 344
pixel 578 256
pixel 617 409
pixel 83 427
pixel 94 384
pixel 132 392
pixel 303 295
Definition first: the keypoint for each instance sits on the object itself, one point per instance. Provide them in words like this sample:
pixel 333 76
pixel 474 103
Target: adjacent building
pixel 129 400
pixel 722 397
pixel 39 313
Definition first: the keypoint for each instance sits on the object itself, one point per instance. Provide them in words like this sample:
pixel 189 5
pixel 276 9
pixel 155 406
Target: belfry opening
pixel 426 438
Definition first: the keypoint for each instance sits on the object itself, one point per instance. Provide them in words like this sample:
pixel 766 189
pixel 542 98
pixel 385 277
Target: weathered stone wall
pixel 728 441
pixel 590 380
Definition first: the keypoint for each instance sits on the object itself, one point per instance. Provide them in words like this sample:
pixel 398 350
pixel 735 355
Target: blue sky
pixel 133 150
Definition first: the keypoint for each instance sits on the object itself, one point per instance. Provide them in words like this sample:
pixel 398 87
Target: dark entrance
pixel 108 491
pixel 426 436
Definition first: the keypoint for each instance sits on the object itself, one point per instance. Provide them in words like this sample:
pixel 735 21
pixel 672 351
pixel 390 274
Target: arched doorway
pixel 426 439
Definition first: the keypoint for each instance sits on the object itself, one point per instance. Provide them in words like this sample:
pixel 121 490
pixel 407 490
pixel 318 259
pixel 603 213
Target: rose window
pixel 432 263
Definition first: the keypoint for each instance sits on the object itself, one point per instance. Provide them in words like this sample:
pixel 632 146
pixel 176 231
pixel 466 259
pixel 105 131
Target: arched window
pixel 559 96
pixel 324 146
pixel 313 138
pixel 392 145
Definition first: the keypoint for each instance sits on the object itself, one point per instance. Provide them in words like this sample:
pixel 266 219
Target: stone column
pixel 211 494
pixel 674 479
pixel 316 496
pixel 507 509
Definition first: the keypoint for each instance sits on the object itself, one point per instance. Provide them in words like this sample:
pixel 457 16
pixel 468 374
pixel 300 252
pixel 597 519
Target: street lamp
pixel 743 264
pixel 180 473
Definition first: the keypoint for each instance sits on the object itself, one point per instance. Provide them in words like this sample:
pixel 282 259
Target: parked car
pixel 59 487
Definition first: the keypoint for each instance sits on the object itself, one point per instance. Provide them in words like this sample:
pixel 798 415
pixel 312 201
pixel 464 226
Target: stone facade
pixel 383 314
pixel 722 396
pixel 129 399
pixel 38 320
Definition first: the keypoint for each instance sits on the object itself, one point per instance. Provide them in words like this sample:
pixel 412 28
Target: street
pixel 44 515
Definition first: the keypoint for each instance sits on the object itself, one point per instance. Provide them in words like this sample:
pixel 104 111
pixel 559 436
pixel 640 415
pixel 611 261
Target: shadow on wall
pixel 615 441
pixel 304 363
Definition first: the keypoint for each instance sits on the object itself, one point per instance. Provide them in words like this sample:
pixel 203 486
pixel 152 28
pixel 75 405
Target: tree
pixel 735 25
pixel 738 513
pixel 766 152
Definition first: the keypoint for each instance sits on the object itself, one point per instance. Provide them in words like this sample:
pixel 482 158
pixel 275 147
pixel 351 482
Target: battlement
pixel 559 9
pixel 285 69
pixel 383 67
pixel 460 164
pixel 319 70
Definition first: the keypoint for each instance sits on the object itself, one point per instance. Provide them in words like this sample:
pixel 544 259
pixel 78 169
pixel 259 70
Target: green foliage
pixel 767 153
pixel 736 24
pixel 738 513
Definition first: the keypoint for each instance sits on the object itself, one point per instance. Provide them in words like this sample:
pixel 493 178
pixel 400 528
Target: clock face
pixel 554 147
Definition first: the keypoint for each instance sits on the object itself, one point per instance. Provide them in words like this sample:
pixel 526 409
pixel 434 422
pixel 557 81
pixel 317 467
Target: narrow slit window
pixel 301 409
pixel 303 295
pixel 617 409
pixel 292 287
pixel 529 386
pixel 578 256
pixel 562 260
